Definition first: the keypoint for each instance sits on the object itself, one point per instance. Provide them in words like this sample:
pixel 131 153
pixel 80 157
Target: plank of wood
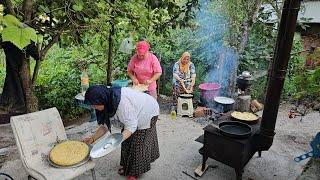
pixel 199 172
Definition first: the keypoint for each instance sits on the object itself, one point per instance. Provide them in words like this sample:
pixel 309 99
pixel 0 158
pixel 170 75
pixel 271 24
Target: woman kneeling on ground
pixel 138 113
pixel 184 76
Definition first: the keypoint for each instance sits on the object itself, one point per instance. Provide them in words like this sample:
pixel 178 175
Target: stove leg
pixel 239 174
pixel 204 160
pixel 259 153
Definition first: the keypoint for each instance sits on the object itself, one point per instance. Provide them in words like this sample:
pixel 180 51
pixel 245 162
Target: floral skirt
pixel 140 150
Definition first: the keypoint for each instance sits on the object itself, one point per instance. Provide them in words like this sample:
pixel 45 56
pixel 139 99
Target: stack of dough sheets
pixel 140 87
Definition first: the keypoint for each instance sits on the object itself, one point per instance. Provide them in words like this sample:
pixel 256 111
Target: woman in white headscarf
pixel 184 76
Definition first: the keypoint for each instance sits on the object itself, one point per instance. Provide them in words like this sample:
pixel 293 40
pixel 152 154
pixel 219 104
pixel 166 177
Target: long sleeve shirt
pixel 135 110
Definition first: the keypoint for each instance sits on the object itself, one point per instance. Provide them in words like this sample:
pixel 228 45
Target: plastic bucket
pixel 209 90
pixel 120 83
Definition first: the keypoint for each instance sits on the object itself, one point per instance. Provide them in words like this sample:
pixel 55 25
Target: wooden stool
pixel 185 105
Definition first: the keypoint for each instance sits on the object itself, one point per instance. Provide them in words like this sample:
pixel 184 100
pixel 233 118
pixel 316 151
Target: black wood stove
pixel 236 152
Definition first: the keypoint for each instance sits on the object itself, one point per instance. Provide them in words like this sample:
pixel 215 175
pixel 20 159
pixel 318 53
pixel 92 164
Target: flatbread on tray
pixel 244 116
pixel 140 87
pixel 69 153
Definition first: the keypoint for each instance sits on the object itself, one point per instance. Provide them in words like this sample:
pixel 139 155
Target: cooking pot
pixel 224 102
pixel 246 74
pixel 234 129
pixel 244 83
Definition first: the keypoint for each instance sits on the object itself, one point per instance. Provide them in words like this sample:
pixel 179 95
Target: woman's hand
pixel 88 140
pixel 99 132
pixel 135 81
pixel 126 134
pixel 148 82
pixel 181 81
pixel 191 84
pixel 189 90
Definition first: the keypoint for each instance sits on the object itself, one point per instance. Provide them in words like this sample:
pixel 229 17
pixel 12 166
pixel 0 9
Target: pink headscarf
pixel 142 47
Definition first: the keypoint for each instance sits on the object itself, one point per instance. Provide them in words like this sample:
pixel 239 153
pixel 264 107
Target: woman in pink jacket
pixel 144 68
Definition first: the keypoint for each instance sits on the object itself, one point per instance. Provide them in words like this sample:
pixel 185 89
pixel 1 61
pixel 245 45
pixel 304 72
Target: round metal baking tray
pixel 72 166
pixel 85 160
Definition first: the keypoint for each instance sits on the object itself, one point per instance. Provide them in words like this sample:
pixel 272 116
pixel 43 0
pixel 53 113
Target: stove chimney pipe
pixel 278 72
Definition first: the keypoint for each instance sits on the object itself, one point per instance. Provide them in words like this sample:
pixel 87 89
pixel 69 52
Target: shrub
pixel 59 81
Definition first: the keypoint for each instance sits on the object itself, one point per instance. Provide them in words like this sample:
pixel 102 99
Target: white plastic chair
pixel 35 135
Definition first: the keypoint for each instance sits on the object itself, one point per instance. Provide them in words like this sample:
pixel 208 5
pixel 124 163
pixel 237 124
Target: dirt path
pixel 179 152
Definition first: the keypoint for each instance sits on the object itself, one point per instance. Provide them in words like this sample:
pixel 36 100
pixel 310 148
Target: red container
pixel 209 90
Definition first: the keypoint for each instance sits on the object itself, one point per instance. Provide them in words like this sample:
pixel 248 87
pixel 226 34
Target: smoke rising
pixel 222 60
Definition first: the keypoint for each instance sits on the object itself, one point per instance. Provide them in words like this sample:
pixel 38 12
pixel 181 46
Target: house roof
pixel 310 9
pixel 309 12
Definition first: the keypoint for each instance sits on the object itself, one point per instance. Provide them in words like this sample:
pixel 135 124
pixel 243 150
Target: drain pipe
pixel 278 72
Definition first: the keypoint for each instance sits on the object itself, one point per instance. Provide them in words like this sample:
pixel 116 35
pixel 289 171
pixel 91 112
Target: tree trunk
pixel 110 46
pixel 243 103
pixel 245 36
pixel 31 99
pixel 12 99
pixel 109 68
pixel 27 10
pixel 17 96
pixel 252 15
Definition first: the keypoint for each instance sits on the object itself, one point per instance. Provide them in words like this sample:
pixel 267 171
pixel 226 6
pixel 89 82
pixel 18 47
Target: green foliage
pixel 20 37
pixel 59 76
pixel 86 27
pixel 258 54
pixel 17 33
pixel 10 20
pixel 259 50
pixel 58 83
pixel 258 88
pixel 49 18
pixel 295 67
pixel 237 12
pixel 78 6
pixel 307 85
pixel 240 12
pixel 170 49
pixel 59 80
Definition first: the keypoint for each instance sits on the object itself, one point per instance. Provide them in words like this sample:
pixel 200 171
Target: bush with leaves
pixel 295 67
pixel 259 53
pixel 308 85
pixel 59 80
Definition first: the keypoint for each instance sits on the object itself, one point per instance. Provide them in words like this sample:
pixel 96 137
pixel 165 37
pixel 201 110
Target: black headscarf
pixel 102 95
